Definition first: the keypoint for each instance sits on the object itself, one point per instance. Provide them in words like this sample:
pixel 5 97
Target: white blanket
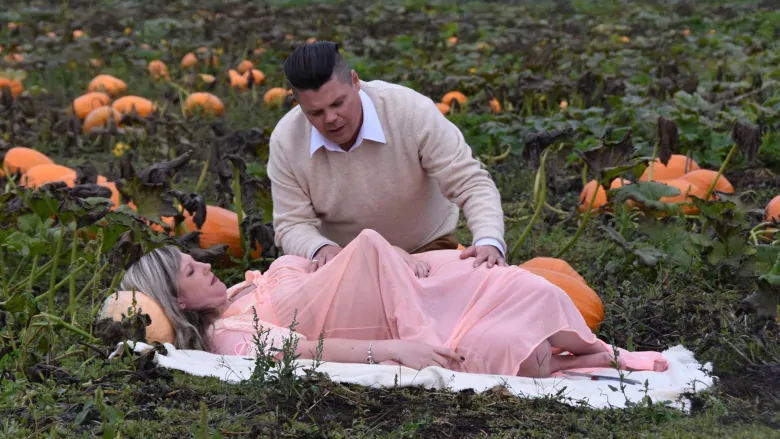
pixel 684 375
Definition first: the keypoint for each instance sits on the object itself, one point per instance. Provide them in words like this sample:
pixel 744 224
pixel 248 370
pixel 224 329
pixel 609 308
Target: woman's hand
pixel 420 268
pixel 415 355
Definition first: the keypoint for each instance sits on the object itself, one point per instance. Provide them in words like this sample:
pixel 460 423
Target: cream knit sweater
pixel 409 189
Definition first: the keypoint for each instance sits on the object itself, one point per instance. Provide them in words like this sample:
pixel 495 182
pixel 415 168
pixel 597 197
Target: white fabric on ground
pixel 684 375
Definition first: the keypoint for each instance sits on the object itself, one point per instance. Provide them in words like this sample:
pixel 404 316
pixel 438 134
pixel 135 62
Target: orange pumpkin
pixel 678 166
pixel 237 80
pixel 244 66
pixel 275 96
pixel 87 102
pixel 115 196
pixel 205 102
pixel 704 178
pixel 587 193
pixel 158 69
pixel 160 330
pixel 221 227
pixel 99 118
pixel 21 159
pixel 15 85
pixel 111 85
pixel 561 274
pixel 443 108
pixel 773 209
pixel 258 77
pixel 687 190
pixel 189 60
pixel 143 107
pixel 454 95
pixel 495 106
pixel 48 173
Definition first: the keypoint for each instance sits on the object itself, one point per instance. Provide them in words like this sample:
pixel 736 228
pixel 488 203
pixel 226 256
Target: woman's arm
pixel 342 350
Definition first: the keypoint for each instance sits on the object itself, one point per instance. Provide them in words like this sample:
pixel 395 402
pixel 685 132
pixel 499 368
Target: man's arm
pixel 296 225
pixel 446 156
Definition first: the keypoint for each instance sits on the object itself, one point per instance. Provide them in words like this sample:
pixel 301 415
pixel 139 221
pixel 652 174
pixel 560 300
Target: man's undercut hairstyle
pixel 311 65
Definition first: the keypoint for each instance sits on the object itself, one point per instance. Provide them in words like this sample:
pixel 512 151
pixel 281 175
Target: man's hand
pixel 484 253
pixel 420 268
pixel 324 255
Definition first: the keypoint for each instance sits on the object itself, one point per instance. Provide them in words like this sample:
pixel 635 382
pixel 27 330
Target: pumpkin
pixel 158 69
pixel 678 166
pixel 15 85
pixel 244 66
pixel 773 209
pixel 160 330
pixel 205 102
pixel 115 196
pixel 461 247
pixel 587 193
pixel 111 85
pixel 99 117
pixel 687 190
pixel 14 58
pixel 221 227
pixel 559 273
pixel 143 107
pixel 87 102
pixel 704 178
pixel 275 96
pixel 454 95
pixel 78 33
pixel 238 80
pixel 189 60
pixel 495 106
pixel 48 173
pixel 21 159
pixel 443 108
pixel 258 77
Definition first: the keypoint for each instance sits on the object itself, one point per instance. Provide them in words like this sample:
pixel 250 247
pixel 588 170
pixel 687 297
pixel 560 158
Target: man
pixel 355 155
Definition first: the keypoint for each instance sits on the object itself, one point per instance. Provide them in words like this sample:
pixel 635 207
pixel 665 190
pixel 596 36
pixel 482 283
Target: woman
pixel 371 307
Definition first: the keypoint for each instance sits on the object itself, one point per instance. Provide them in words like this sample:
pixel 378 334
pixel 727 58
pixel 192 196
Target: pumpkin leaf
pixel 648 256
pixel 610 159
pixel 127 251
pixel 194 204
pixel 668 139
pixel 647 194
pixel 766 301
pixel 535 143
pixel 190 244
pixel 260 233
pixel 87 174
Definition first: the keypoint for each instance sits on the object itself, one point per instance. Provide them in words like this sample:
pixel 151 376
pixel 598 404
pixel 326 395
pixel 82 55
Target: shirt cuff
pixel 493 242
pixel 311 256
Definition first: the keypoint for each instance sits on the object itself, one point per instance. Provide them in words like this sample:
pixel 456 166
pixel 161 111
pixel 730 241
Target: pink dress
pixel 494 317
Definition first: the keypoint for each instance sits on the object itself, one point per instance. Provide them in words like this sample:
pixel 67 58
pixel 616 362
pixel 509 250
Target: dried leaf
pixel 748 138
pixel 668 139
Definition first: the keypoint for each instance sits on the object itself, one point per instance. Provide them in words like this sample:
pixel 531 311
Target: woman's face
pixel 198 287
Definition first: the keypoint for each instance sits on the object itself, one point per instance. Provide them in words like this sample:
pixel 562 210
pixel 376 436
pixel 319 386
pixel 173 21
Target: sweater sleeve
pixel 446 156
pixel 296 226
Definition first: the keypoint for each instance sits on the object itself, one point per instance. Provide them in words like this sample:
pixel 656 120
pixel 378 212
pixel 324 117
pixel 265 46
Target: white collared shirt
pixel 370 130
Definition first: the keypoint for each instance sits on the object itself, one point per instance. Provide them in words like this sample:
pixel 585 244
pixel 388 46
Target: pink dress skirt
pixel 494 317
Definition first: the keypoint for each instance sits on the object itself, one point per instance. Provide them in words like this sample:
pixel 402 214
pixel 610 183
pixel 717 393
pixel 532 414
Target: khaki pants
pixel 446 242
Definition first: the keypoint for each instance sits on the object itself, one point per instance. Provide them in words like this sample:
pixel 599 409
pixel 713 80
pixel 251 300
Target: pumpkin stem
pixel 720 171
pixel 55 265
pixel 652 162
pixel 239 206
pixel 540 203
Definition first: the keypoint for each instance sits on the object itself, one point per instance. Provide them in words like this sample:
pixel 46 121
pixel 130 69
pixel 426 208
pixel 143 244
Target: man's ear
pixel 181 304
pixel 355 80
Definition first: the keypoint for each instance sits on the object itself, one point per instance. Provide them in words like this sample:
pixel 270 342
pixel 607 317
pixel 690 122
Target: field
pixel 554 97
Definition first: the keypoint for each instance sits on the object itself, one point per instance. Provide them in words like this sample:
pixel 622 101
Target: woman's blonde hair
pixel 155 275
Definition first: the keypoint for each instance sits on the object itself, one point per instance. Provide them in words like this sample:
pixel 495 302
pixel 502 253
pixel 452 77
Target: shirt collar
pixel 371 129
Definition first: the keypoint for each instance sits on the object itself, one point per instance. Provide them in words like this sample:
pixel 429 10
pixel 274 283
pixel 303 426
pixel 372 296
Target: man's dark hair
pixel 311 65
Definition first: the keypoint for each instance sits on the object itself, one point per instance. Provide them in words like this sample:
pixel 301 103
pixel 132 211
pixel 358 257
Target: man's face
pixel 335 109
